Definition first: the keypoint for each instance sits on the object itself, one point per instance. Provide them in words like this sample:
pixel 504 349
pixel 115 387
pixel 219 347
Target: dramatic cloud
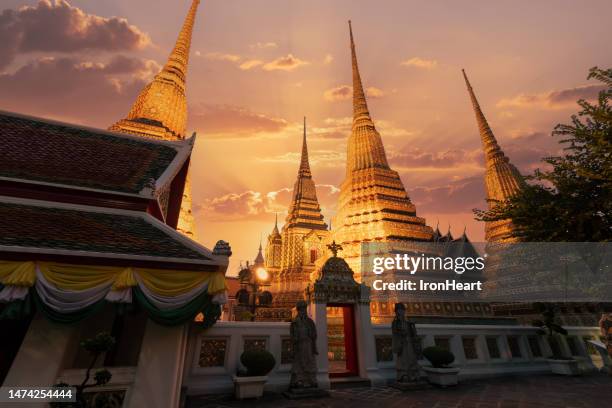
pixel 249 64
pixel 417 62
pixel 227 121
pixel 59 27
pixel 96 93
pixel 552 100
pixel 288 63
pixel 254 205
pixel 345 92
pixel 263 45
pixel 218 56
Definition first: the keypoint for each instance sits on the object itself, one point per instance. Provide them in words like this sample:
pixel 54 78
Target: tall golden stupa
pixel 373 204
pixel 160 111
pixel 502 179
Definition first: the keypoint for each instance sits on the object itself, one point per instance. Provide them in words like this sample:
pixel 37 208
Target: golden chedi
pixel 373 204
pixel 502 179
pixel 160 111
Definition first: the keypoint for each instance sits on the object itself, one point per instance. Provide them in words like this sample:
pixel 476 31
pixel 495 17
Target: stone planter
pixel 443 377
pixel 249 387
pixel 564 367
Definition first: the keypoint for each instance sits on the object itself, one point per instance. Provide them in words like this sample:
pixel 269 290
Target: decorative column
pixel 41 357
pixel 159 373
pixel 366 345
pixel 318 313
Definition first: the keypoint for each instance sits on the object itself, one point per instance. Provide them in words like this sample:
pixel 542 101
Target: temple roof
pixel 41 151
pixel 75 231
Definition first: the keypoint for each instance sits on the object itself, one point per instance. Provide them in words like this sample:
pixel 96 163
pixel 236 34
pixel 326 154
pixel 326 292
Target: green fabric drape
pixel 183 314
pixel 65 318
pixel 21 309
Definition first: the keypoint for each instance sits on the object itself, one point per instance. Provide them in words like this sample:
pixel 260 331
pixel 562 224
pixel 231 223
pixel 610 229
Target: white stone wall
pixel 208 380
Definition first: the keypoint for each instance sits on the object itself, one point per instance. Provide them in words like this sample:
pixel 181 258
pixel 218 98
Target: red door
pixel 350 342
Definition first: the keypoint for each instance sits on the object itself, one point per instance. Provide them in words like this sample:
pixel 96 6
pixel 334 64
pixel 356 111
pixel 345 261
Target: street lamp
pixel 251 294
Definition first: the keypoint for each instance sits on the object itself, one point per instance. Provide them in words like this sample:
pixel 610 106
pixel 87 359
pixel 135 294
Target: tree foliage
pixel 571 200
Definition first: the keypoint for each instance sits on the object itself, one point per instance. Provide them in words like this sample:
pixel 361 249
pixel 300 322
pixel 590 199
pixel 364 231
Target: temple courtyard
pixel 504 392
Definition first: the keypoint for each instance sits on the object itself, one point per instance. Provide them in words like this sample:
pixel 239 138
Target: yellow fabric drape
pixel 81 277
pixel 78 277
pixel 17 273
pixel 172 282
pixel 125 279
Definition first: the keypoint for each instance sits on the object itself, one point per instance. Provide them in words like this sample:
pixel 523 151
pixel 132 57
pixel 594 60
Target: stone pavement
pixel 506 392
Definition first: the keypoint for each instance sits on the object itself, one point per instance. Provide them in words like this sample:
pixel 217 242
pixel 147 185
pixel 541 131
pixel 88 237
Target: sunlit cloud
pixel 557 99
pixel 59 27
pixel 287 63
pixel 256 205
pixel 250 64
pixel 422 63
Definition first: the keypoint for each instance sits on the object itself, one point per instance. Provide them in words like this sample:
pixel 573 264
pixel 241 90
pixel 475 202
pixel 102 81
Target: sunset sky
pixel 258 66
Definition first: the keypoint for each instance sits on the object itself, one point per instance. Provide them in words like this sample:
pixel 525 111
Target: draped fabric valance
pixel 68 293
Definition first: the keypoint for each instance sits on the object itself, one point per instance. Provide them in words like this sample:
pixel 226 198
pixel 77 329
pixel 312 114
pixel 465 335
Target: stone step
pixel 349 382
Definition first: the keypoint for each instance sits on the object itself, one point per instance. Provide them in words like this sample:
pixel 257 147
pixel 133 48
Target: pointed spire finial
pixel 304 164
pixel 489 143
pixel 360 104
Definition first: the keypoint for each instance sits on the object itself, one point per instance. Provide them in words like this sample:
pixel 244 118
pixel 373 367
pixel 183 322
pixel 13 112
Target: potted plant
pixel 96 347
pixel 559 364
pixel 250 383
pixel 440 373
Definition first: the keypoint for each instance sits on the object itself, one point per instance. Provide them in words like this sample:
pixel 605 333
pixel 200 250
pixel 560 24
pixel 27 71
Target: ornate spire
pixel 365 149
pixel 304 163
pixel 502 179
pixel 160 111
pixel 360 104
pixel 305 209
pixel 275 229
pixel 259 259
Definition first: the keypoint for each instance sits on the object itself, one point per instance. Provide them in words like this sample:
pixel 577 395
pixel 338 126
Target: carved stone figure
pixel 304 346
pixel 405 346
pixel 605 325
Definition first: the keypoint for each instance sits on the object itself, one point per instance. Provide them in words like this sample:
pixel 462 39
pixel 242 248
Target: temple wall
pixel 213 356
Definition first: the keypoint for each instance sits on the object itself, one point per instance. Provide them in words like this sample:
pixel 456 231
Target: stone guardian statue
pixel 405 345
pixel 304 348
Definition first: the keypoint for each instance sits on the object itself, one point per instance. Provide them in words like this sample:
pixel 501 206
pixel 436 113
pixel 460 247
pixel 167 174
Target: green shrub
pixel 438 357
pixel 257 362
